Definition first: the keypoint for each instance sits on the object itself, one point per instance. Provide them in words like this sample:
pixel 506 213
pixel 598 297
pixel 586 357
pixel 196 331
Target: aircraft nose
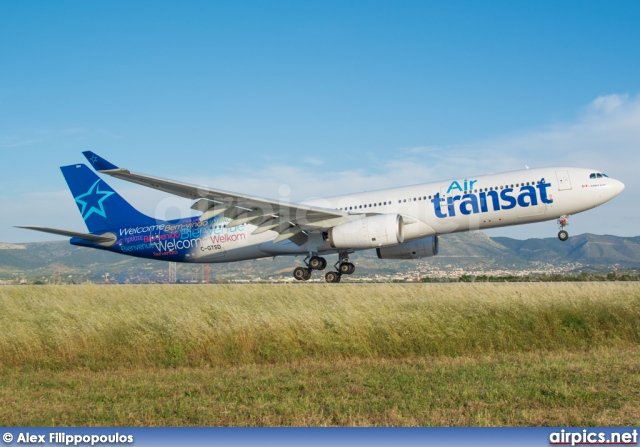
pixel 618 186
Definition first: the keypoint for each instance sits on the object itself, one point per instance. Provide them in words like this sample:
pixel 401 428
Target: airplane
pixel 399 223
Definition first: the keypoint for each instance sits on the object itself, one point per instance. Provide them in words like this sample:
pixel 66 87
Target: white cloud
pixel 609 104
pixel 10 142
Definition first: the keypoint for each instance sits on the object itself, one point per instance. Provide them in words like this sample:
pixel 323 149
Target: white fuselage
pixel 472 203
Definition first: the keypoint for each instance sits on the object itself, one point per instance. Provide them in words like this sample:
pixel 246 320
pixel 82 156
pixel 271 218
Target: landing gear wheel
pixel 302 273
pixel 563 221
pixel 347 268
pixel 332 277
pixel 317 263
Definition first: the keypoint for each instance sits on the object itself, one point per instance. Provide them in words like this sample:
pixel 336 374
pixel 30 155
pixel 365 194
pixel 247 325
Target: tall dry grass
pixel 104 327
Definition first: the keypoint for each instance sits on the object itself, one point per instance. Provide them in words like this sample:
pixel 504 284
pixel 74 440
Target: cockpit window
pixel 598 175
pixel 592 175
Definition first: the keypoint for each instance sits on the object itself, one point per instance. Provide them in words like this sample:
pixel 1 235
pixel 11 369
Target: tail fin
pixel 100 206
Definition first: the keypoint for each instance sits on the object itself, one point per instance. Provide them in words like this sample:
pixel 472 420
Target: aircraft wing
pixel 289 219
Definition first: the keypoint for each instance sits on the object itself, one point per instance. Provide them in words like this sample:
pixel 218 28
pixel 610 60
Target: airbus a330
pixel 399 223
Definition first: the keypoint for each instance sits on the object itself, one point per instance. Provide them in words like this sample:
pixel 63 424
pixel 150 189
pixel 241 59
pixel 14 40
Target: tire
pixel 317 263
pixel 563 235
pixel 301 273
pixel 332 277
pixel 347 268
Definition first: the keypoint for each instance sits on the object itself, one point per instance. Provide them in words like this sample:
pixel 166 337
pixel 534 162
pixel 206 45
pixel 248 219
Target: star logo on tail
pixel 93 159
pixel 91 201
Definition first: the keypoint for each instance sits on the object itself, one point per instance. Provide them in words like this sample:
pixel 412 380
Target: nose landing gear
pixel 563 222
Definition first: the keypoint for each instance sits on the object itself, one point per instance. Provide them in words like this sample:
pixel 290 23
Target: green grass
pixel 103 327
pixel 598 387
pixel 463 354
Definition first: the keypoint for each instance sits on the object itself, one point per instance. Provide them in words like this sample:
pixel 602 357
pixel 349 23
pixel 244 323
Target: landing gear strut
pixel 563 222
pixel 343 267
pixel 314 263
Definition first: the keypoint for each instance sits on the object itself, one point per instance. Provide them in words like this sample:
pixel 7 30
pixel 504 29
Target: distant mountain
pixel 473 251
pixel 588 249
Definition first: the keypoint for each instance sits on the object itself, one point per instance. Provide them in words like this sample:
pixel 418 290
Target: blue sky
pixel 315 98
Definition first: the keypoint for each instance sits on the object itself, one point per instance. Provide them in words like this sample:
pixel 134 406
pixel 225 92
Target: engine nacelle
pixel 421 248
pixel 368 232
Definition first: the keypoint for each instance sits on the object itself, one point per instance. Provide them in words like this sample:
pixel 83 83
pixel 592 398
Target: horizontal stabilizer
pixel 107 238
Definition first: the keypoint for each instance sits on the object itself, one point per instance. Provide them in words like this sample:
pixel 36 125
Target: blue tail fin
pixel 100 206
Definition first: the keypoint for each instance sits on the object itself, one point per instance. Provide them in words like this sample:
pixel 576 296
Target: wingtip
pixel 98 163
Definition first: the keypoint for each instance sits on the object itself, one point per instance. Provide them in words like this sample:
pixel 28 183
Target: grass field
pixel 460 354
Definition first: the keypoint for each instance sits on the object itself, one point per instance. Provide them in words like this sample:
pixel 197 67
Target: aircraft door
pixel 564 182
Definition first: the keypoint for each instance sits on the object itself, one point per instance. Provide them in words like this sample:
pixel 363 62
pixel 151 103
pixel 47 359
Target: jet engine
pixel 421 248
pixel 368 232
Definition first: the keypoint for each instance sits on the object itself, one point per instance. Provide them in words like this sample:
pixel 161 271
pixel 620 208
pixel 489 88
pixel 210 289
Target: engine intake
pixel 421 248
pixel 368 232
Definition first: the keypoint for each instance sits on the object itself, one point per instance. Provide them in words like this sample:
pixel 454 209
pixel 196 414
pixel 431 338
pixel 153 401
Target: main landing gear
pixel 343 267
pixel 563 222
pixel 313 263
